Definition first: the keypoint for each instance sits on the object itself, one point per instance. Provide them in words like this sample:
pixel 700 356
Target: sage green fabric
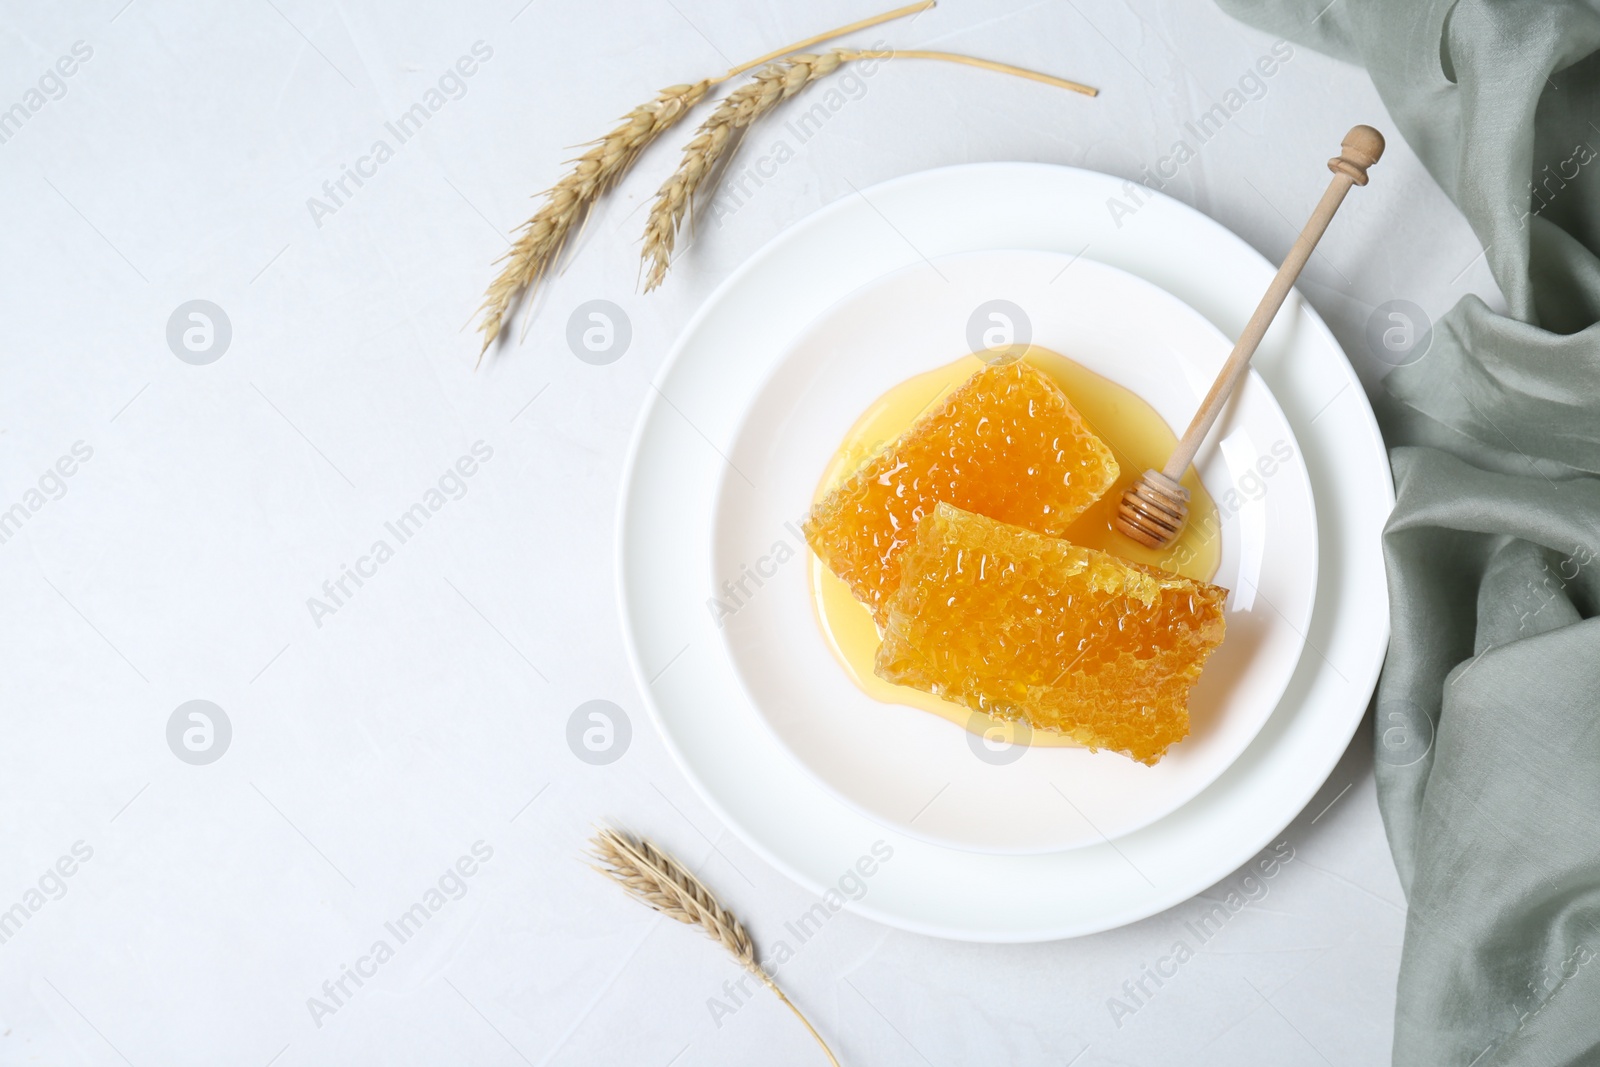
pixel 1488 711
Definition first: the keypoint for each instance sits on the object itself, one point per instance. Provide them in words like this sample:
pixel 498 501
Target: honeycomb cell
pixel 1023 626
pixel 1007 443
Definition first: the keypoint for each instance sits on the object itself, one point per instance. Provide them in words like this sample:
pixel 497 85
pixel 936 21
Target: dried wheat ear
pixel 653 877
pixel 770 86
pixel 541 240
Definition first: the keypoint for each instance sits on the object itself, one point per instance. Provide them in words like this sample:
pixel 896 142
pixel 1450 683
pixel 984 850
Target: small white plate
pixel 913 771
pixel 665 532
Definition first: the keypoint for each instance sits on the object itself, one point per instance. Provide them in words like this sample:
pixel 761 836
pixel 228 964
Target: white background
pixel 371 752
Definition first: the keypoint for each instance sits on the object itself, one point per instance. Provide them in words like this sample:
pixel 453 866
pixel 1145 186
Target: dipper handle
pixel 1362 147
pixel 1154 510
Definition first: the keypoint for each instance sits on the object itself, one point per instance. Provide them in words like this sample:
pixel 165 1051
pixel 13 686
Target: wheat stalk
pixel 567 204
pixel 652 877
pixel 768 87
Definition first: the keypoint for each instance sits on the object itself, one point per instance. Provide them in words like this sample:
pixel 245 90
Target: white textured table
pixel 167 528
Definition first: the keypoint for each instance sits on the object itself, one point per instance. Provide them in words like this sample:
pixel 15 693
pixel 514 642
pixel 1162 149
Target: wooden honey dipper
pixel 1154 510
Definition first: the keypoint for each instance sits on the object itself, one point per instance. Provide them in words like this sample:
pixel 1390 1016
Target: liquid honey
pixel 1136 434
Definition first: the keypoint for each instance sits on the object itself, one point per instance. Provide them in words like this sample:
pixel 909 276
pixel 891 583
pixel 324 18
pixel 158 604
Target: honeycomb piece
pixel 1006 443
pixel 1071 639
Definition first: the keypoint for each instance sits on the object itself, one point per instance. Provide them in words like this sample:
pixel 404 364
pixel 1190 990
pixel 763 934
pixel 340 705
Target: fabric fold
pixel 1487 743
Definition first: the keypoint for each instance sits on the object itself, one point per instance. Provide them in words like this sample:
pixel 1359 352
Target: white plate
pixel 666 516
pixel 924 775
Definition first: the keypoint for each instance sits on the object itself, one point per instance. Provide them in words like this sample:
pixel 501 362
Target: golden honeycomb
pixel 1023 626
pixel 1006 443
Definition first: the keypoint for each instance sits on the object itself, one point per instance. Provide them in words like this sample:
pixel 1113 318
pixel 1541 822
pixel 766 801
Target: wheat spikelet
pixel 569 201
pixel 768 87
pixel 658 880
pixel 652 877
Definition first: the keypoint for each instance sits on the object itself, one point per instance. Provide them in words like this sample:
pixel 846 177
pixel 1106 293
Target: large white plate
pixel 668 503
pixel 924 775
